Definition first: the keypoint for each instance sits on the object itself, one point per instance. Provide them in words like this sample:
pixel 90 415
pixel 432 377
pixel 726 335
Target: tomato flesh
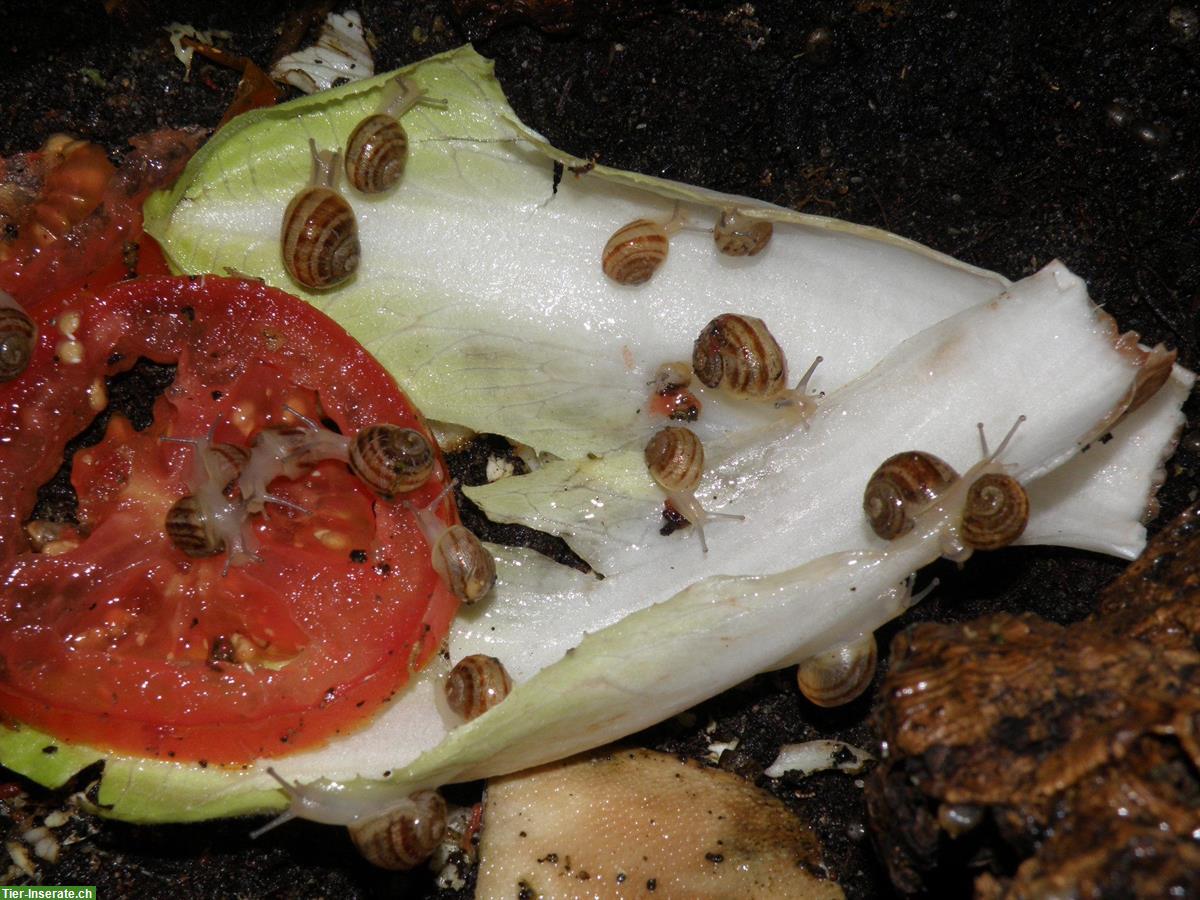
pixel 119 640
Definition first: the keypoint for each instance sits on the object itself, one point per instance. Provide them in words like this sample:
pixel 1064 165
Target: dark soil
pixel 1004 133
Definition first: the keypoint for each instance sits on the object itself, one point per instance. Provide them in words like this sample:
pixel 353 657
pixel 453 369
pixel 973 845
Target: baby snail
pixel 476 684
pixel 205 521
pixel 737 234
pixel 320 233
pixel 391 460
pixel 984 509
pixel 671 395
pixel 840 674
pixel 463 563
pixel 404 837
pixel 377 151
pixel 635 251
pixel 675 458
pixel 18 335
pixel 738 354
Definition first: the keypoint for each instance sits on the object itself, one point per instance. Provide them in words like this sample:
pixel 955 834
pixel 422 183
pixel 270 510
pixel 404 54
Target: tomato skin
pixel 114 643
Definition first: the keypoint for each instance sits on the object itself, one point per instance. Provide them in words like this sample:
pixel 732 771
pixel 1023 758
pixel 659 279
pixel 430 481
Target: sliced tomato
pixel 115 638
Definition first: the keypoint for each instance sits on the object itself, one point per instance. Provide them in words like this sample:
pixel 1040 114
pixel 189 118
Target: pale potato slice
pixel 637 823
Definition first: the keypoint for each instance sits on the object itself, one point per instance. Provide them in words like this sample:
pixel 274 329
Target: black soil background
pixel 1006 134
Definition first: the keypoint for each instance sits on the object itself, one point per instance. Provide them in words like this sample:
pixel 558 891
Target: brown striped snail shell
pixel 902 484
pixel 404 837
pixel 675 458
pixel 476 684
pixel 376 154
pixel 635 251
pixel 18 336
pixel 225 462
pixel 739 354
pixel 191 529
pixel 737 234
pixel 464 564
pixel 996 512
pixel 391 460
pixel 839 675
pixel 319 233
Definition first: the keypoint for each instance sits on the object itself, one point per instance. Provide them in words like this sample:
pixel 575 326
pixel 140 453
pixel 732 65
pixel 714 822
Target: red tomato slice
pixel 123 642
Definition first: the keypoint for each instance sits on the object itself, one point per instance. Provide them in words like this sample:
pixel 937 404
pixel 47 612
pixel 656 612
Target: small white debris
pixel 20 856
pixel 716 748
pixel 340 55
pixel 498 467
pixel 178 32
pixel 57 819
pixel 817 756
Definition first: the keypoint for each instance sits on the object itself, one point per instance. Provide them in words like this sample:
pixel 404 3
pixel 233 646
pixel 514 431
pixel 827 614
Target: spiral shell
pixel 404 837
pixel 191 529
pixel 739 354
pixel 464 564
pixel 476 684
pixel 671 376
pixel 996 512
pixel 904 483
pixel 376 154
pixel 391 460
pixel 839 675
pixel 225 462
pixel 675 458
pixel 737 234
pixel 635 251
pixel 320 238
pixel 18 336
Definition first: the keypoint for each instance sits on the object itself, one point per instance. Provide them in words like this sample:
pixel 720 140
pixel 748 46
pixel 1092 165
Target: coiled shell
pixel 996 512
pixel 464 564
pixel 739 354
pixel 376 154
pixel 476 684
pixel 737 234
pixel 225 462
pixel 671 376
pixel 635 251
pixel 391 460
pixel 18 336
pixel 406 836
pixel 675 458
pixel 837 676
pixel 191 530
pixel 902 484
pixel 320 238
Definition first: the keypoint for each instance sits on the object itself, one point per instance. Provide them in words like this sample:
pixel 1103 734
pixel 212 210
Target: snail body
pixel 984 509
pixel 458 556
pixel 738 354
pixel 406 835
pixel 675 459
pixel 320 234
pixel 18 337
pixel 476 684
pixel 737 234
pixel 377 151
pixel 840 674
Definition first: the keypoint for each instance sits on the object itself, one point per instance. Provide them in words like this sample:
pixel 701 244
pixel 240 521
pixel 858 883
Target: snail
pixel 672 397
pixel 635 251
pixel 391 460
pixel 476 684
pixel 740 355
pixel 737 234
pixel 377 150
pixel 404 837
pixel 840 674
pixel 984 509
pixel 675 459
pixel 319 233
pixel 464 564
pixel 18 335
